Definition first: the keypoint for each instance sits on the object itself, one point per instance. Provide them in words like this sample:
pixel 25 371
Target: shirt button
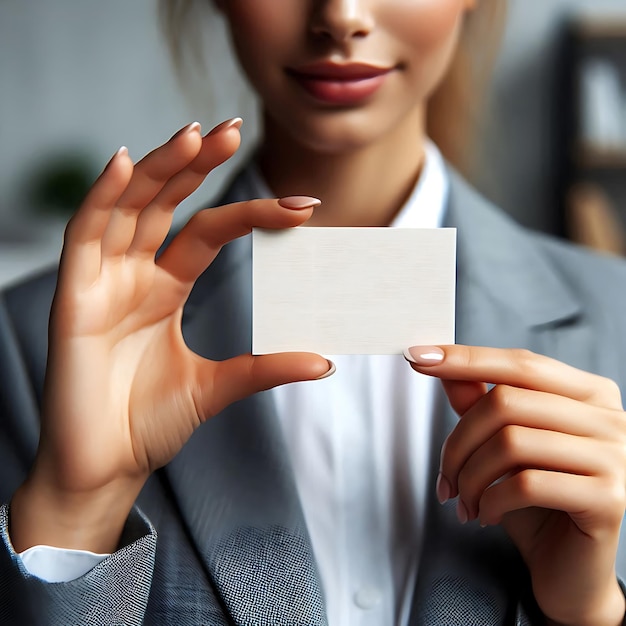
pixel 367 597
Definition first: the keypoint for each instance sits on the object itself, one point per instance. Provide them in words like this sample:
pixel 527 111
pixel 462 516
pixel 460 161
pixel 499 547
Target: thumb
pixel 241 376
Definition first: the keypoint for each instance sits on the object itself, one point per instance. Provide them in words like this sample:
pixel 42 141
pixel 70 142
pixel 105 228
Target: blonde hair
pixel 455 109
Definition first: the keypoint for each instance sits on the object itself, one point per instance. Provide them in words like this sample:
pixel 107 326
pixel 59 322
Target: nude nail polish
pixel 194 127
pixel 424 356
pixel 121 151
pixel 297 203
pixel 235 122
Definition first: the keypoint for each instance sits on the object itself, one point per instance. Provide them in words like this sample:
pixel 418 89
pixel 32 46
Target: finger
pixel 154 222
pixel 149 177
pixel 506 406
pixel 159 165
pixel 463 394
pixel 80 258
pixel 515 448
pixel 244 375
pixel 90 220
pixel 589 501
pixel 200 240
pixel 518 368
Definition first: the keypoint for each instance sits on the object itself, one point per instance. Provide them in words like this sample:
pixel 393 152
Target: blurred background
pixel 78 79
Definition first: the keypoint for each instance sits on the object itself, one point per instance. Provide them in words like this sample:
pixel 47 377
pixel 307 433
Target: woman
pixel 313 503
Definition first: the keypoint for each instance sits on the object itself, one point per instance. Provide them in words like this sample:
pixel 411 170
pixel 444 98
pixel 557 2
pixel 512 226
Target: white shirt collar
pixel 425 207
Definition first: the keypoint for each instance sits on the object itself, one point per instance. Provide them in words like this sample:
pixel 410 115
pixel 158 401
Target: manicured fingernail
pixel 235 122
pixel 122 151
pixel 424 355
pixel 461 512
pixel 299 202
pixel 444 489
pixel 331 370
pixel 194 127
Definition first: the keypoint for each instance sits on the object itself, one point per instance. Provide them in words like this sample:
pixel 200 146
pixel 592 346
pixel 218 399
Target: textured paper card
pixel 352 290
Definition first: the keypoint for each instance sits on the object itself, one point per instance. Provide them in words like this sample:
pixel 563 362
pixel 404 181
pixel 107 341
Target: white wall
pixel 86 74
pixel 92 76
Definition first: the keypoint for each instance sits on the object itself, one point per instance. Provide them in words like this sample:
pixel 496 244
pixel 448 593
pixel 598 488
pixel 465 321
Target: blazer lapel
pixel 508 295
pixel 232 481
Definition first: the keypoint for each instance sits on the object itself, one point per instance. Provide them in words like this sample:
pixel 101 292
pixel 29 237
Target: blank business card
pixel 352 290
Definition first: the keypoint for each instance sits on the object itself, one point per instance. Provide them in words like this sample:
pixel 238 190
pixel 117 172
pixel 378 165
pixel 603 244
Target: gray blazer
pixel 232 545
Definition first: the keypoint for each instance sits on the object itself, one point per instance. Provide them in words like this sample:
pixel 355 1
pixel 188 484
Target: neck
pixel 361 187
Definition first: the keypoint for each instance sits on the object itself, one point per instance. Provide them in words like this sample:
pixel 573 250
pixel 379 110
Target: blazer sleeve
pixel 117 590
pixel 114 592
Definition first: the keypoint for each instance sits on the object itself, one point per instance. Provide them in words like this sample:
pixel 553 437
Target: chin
pixel 339 132
pixel 334 145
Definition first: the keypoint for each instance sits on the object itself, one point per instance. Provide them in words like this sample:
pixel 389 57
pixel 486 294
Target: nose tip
pixel 341 20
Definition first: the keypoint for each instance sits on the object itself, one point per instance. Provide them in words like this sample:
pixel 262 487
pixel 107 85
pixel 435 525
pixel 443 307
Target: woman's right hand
pixel 123 392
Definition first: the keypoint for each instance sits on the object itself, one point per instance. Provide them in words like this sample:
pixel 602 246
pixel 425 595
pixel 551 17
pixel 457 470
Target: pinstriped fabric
pixel 113 593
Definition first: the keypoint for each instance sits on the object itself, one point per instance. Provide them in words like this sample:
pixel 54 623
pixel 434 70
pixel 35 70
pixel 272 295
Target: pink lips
pixel 340 85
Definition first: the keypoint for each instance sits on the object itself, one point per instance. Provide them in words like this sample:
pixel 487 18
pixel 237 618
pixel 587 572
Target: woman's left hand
pixel 543 453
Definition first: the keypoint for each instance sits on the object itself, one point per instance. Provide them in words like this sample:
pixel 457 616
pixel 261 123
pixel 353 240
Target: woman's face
pixel 338 74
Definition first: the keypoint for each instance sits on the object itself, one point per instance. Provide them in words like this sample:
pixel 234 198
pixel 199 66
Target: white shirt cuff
pixel 59 565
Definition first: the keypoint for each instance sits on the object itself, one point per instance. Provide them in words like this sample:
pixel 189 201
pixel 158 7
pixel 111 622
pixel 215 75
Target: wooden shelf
pixel 580 159
pixel 593 157
pixel 604 28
